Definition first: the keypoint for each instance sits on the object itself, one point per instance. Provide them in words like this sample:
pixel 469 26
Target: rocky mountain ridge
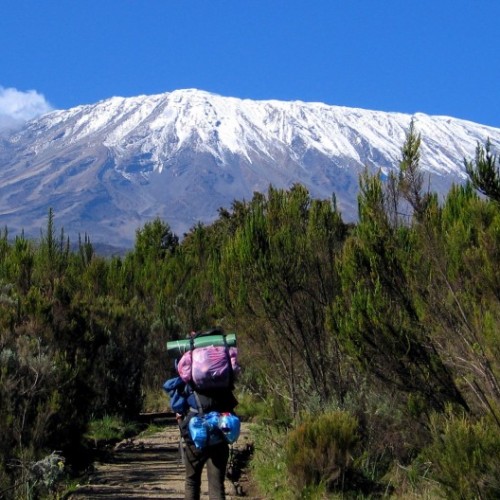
pixel 107 168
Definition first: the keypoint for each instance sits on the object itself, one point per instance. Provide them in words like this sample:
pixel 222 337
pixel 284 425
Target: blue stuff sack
pixel 212 420
pixel 230 426
pixel 205 431
pixel 198 430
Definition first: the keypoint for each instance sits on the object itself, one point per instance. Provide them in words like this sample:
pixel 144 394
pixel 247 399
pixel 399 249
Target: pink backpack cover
pixel 210 367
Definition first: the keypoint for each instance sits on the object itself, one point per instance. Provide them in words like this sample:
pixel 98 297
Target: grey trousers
pixel 215 457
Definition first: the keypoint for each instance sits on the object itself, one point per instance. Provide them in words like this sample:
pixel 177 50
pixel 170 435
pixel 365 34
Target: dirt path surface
pixel 150 467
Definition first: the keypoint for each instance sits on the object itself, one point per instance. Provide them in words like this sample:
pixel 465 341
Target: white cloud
pixel 17 107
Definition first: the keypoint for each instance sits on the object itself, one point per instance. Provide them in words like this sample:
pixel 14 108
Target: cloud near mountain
pixel 108 168
pixel 17 107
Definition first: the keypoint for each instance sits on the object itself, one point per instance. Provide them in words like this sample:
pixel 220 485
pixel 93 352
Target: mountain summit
pixel 108 168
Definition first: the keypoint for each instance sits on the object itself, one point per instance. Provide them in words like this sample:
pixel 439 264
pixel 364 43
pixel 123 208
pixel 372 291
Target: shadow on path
pixel 150 467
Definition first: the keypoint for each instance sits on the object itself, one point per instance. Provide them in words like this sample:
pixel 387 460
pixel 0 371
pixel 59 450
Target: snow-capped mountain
pixel 108 168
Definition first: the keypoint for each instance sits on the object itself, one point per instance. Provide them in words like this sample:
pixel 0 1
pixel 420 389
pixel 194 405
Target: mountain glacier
pixel 108 168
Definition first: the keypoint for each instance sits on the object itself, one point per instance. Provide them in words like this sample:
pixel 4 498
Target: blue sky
pixel 439 57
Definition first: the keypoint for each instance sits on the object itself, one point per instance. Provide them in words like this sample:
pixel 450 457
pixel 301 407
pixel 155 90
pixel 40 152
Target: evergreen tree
pixel 376 313
pixel 484 172
pixel 411 178
pixel 277 277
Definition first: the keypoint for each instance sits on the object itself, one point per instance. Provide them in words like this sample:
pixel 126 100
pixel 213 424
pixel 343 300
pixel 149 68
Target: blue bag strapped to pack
pixel 204 430
pixel 230 426
pixel 175 388
pixel 198 430
pixel 213 428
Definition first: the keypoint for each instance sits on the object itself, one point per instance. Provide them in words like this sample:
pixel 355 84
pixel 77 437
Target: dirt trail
pixel 150 467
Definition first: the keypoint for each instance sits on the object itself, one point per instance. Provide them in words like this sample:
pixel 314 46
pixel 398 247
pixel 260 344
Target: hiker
pixel 200 408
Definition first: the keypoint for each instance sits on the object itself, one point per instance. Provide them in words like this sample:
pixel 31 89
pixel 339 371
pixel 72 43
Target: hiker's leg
pixel 194 460
pixel 216 470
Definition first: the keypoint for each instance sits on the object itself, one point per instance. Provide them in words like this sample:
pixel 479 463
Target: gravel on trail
pixel 150 466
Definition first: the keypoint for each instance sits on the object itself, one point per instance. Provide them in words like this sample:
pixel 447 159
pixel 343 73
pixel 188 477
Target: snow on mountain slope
pixel 108 168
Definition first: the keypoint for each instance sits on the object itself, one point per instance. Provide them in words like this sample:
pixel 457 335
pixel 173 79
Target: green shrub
pixel 465 456
pixel 268 462
pixel 155 400
pixel 387 434
pixel 110 428
pixel 319 450
pixel 257 409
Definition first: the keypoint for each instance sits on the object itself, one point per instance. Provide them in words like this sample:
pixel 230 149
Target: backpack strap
pixel 198 404
pixel 230 365
pixel 191 348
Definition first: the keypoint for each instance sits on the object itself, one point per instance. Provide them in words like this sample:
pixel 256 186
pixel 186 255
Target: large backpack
pixel 211 366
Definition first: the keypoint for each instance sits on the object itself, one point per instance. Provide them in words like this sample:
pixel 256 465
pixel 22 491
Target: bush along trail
pixel 382 334
pixel 150 466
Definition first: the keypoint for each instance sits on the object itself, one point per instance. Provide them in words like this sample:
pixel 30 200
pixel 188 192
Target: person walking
pixel 202 397
pixel 214 456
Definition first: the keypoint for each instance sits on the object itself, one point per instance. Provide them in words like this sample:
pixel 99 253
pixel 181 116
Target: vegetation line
pixel 371 350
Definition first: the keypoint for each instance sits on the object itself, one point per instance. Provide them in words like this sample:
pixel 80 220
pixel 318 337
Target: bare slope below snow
pixel 107 168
